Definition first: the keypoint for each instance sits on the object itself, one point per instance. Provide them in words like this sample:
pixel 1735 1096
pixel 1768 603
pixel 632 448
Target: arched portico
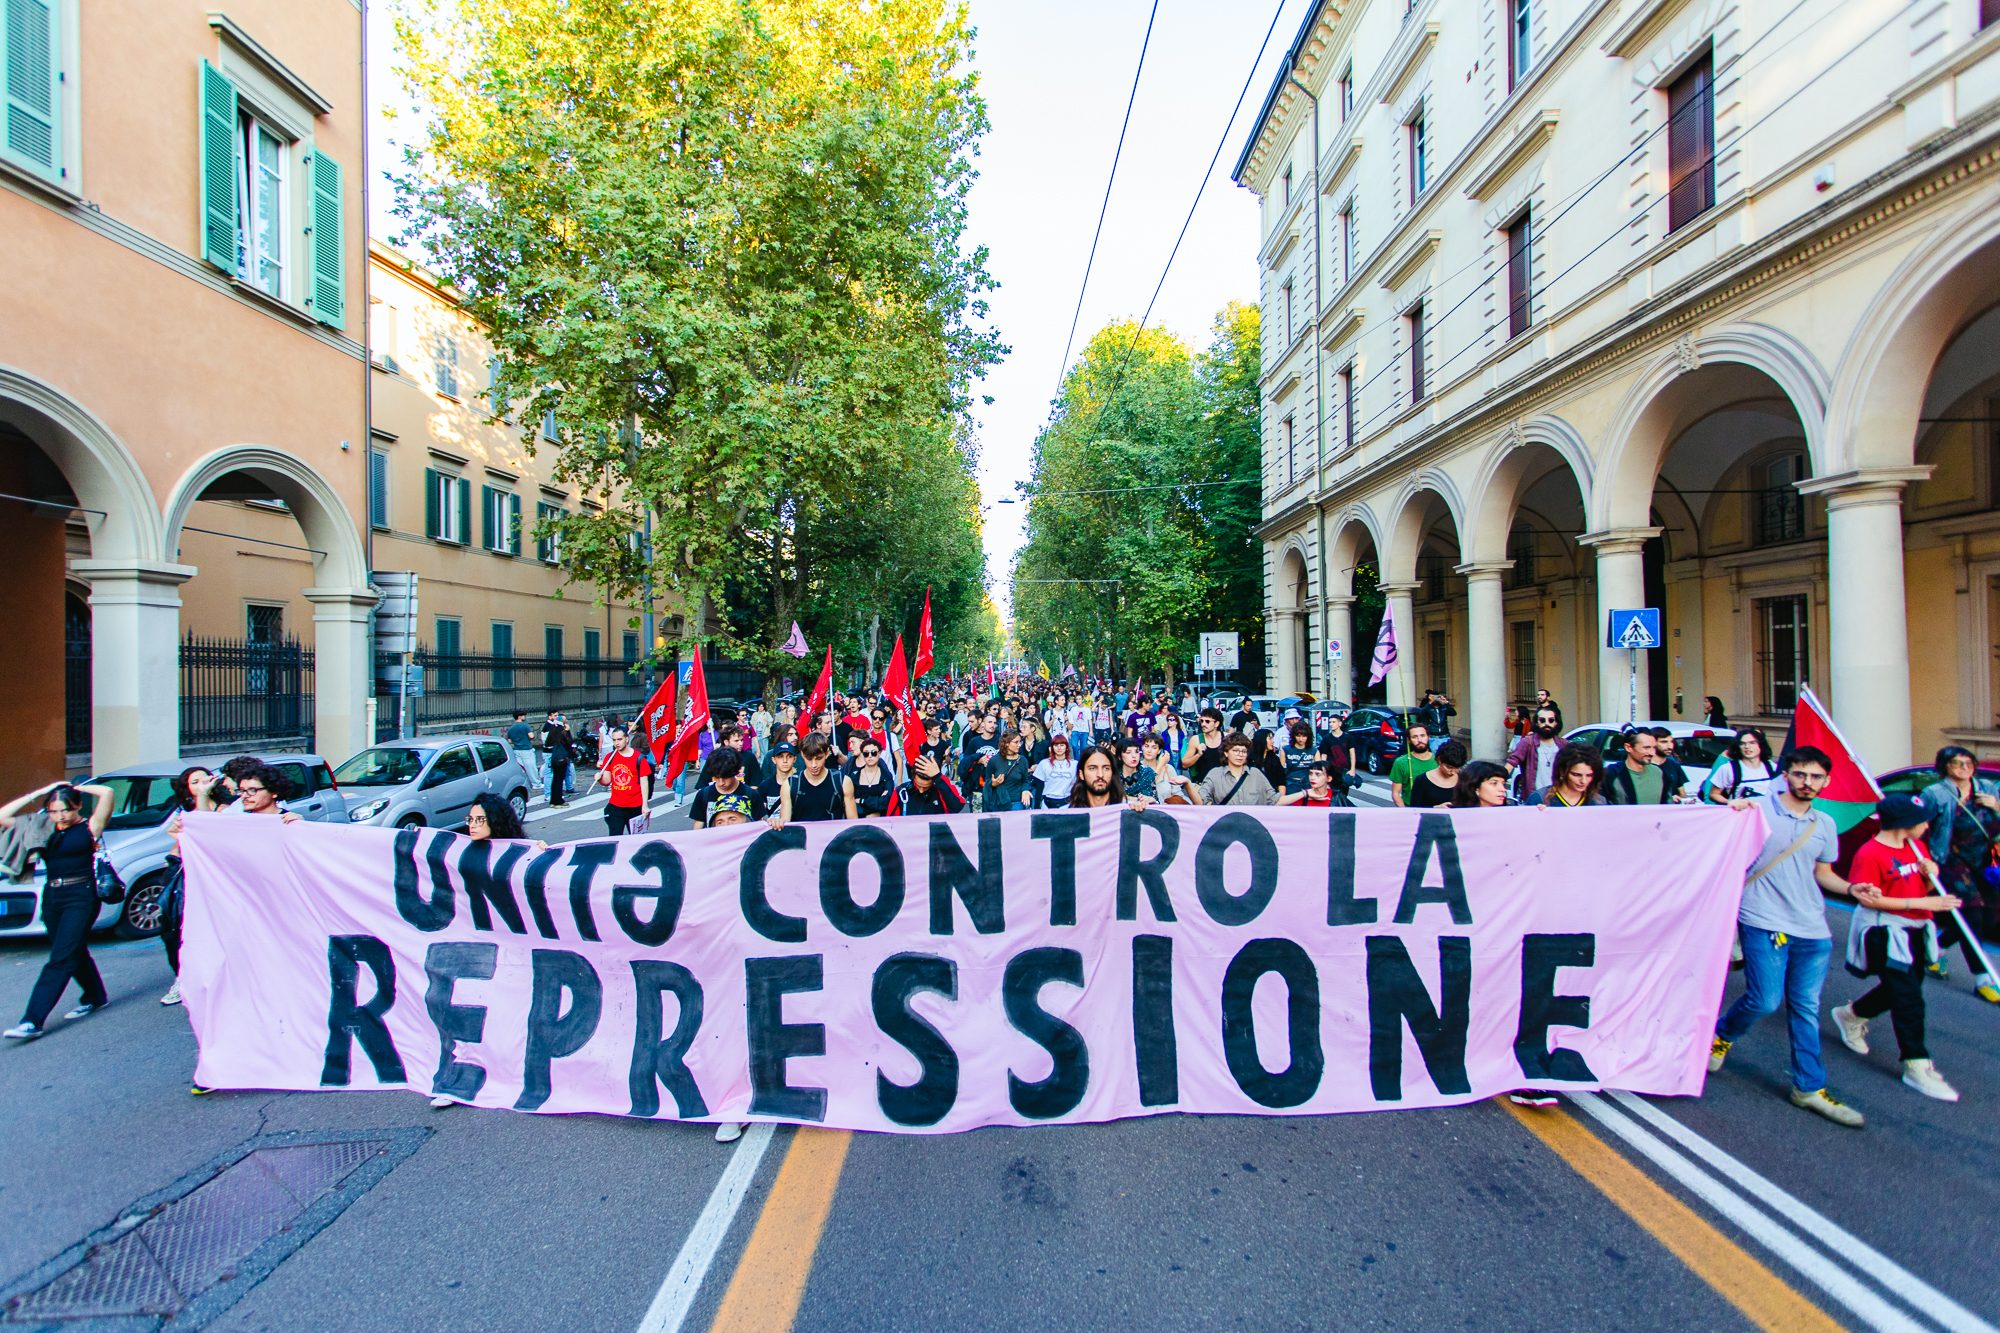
pixel 340 594
pixel 1356 538
pixel 1427 522
pixel 1291 668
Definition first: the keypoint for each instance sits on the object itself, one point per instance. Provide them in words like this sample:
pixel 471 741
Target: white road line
pixel 683 1281
pixel 1921 1296
pixel 1869 1307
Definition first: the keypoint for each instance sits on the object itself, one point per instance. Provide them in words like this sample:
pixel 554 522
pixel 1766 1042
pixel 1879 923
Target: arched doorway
pixel 1291 647
pixel 1355 614
pixel 1425 593
pixel 297 670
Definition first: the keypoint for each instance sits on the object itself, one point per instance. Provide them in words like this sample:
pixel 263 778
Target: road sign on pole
pixel 1637 628
pixel 1333 649
pixel 1219 651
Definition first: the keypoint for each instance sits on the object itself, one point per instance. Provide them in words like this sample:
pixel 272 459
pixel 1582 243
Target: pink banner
pixel 934 975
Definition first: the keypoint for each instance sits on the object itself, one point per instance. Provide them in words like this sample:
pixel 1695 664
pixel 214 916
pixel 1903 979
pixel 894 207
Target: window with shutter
pixel 1691 143
pixel 30 59
pixel 433 511
pixel 328 297
pixel 218 168
pixel 503 655
pixel 513 525
pixel 1520 276
pixel 378 489
pixel 464 489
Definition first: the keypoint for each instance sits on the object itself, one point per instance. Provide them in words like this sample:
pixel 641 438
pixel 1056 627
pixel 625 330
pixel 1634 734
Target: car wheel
pixel 141 918
pixel 517 801
pixel 1375 764
pixel 410 821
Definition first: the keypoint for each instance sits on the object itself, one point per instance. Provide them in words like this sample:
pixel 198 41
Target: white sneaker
pixel 83 1011
pixel 1853 1028
pixel 440 1103
pixel 728 1132
pixel 1924 1077
pixel 173 995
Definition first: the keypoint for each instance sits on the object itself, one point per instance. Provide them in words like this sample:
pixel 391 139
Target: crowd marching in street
pixel 998 742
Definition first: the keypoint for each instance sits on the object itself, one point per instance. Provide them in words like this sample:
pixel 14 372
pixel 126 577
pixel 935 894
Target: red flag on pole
pixel 817 699
pixel 922 661
pixel 657 717
pixel 896 686
pixel 687 742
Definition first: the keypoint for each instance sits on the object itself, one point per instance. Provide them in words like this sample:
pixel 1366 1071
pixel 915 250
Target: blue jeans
pixel 1790 975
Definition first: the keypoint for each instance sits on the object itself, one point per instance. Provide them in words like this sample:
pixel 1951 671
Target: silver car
pixel 138 842
pixel 431 780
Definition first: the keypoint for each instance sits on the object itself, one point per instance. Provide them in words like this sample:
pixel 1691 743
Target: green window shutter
pixel 329 269
pixel 487 536
pixel 464 510
pixel 218 168
pixel 33 104
pixel 431 515
pixel 513 525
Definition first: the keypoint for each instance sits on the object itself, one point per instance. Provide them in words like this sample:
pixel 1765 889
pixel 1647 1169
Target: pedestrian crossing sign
pixel 1636 628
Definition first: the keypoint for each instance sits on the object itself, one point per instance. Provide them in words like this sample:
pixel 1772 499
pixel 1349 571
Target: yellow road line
pixel 1765 1299
pixel 770 1278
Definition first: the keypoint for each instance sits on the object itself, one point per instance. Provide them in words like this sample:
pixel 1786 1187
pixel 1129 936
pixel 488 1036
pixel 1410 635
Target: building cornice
pixel 1646 18
pixel 1415 43
pixel 1538 130
pixel 1412 258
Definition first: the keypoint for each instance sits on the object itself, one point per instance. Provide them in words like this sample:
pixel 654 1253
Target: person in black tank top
pixel 69 899
pixel 818 794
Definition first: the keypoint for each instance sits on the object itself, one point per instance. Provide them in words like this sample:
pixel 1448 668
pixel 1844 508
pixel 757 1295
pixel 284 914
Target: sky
pixel 1056 75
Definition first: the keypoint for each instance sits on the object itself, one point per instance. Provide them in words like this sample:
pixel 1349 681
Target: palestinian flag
pixel 1851 793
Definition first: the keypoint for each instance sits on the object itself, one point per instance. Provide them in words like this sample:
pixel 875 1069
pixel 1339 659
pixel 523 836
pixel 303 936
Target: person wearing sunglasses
pixel 872 784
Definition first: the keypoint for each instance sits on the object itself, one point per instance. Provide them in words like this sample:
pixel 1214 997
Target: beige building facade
pixel 183 381
pixel 1581 305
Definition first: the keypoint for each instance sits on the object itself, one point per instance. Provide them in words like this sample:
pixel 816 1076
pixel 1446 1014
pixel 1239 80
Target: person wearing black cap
pixel 1892 939
pixel 779 766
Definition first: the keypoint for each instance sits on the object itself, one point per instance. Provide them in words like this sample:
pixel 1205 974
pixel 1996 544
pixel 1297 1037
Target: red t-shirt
pixel 1896 871
pixel 625 771
pixel 1317 800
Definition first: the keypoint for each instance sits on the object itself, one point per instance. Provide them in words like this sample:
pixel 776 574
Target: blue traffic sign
pixel 1636 628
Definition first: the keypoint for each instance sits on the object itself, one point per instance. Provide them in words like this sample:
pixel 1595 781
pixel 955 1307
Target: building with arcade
pixel 1579 305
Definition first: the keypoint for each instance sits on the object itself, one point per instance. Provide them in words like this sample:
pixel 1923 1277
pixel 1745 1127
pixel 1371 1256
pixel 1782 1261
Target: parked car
pixel 430 780
pixel 1375 736
pixel 1696 745
pixel 138 842
pixel 1911 781
pixel 1269 708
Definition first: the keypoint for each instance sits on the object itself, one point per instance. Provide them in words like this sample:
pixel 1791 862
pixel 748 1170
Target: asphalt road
pixel 1726 1211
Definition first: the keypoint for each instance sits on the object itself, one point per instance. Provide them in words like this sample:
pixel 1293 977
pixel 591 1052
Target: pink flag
pixel 1385 650
pixel 796 645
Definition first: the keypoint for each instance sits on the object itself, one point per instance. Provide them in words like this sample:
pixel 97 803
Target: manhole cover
pixel 192 1250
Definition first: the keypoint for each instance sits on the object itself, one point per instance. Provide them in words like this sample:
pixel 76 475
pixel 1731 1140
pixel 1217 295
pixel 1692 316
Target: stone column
pixel 1485 703
pixel 1868 640
pixel 341 670
pixel 135 669
pixel 1278 629
pixel 1402 680
pixel 1340 625
pixel 1621 584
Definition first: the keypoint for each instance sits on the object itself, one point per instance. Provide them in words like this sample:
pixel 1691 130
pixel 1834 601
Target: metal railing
pixel 235 692
pixel 469 692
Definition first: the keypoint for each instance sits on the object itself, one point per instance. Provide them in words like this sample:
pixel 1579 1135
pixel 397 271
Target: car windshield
pixel 383 766
pixel 139 802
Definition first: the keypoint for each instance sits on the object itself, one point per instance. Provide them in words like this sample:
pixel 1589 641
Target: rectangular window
pixel 261 194
pixel 552 651
pixel 1522 635
pixel 549 431
pixel 378 489
pixel 1520 275
pixel 500 521
pixel 31 52
pixel 1782 658
pixel 1419 157
pixel 1437 661
pixel 1691 143
pixel 495 402
pixel 1520 49
pixel 548 543
pixel 1781 510
pixel 1288 184
pixel 447 653
pixel 503 655
pixel 1347 242
pixel 1415 319
pixel 1346 93
pixel 447 507
pixel 593 648
pixel 1290 445
pixel 1287 341
pixel 447 366
pixel 1347 405
pixel 1989 13
pixel 631 648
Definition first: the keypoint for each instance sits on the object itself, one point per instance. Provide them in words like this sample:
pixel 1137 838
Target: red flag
pixel 657 717
pixel 896 686
pixel 816 701
pixel 922 661
pixel 687 742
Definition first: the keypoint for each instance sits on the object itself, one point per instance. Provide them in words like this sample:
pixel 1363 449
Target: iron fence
pixel 76 684
pixel 466 691
pixel 235 692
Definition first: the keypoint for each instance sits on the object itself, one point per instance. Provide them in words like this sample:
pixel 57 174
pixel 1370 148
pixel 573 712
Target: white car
pixel 1696 745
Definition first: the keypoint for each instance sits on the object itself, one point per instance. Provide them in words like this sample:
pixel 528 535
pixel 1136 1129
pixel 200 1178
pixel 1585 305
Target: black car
pixel 1374 737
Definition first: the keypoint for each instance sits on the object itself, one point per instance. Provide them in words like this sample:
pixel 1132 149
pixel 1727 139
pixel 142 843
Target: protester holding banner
pixel 1894 941
pixel 1170 786
pixel 872 784
pixel 1236 783
pixel 818 792
pixel 1482 784
pixel 1577 769
pixel 1097 783
pixel 1437 785
pixel 726 779
pixel 779 767
pixel 1781 925
pixel 1318 790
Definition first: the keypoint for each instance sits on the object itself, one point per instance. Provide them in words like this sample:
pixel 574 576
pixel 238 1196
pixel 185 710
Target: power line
pixel 1105 206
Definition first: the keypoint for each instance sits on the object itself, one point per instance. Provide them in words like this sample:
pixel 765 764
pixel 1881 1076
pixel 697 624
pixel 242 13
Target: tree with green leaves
pixel 1141 503
pixel 723 243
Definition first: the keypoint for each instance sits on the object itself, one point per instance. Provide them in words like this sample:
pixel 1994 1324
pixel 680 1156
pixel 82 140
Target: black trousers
pixel 1899 992
pixel 170 921
pixel 69 912
pixel 616 817
pixel 558 779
